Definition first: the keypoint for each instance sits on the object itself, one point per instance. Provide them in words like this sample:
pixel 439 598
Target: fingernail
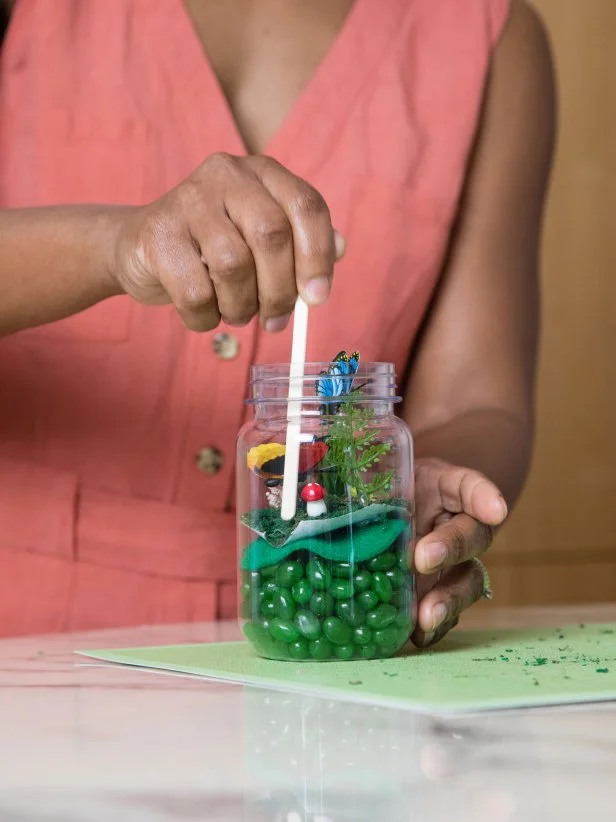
pixel 439 615
pixel 435 554
pixel 275 324
pixel 316 291
pixel 502 505
pixel 340 245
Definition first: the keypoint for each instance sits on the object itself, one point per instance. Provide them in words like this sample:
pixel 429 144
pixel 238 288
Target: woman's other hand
pixel 241 237
pixel 457 512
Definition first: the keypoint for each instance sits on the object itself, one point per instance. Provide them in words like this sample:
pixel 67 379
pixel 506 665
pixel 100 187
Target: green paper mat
pixel 468 671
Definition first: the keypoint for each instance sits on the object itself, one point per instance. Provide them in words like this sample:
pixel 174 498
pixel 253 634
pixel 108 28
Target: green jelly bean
pixel 367 600
pixel 308 624
pixel 362 581
pixel 382 562
pixel 396 577
pixel 318 574
pixel 344 651
pixel 381 617
pixel 387 636
pixel 386 651
pixel 256 631
pixel 322 603
pixel 302 591
pixel 337 631
pixel 321 648
pixel 269 588
pixel 283 630
pixel 403 598
pixel 381 586
pixel 299 649
pixel 362 635
pixel 341 589
pixel 268 608
pixel 366 651
pixel 288 573
pixel 269 571
pixel 343 570
pixel 249 608
pixel 351 612
pixel 403 561
pixel 284 605
pixel 404 622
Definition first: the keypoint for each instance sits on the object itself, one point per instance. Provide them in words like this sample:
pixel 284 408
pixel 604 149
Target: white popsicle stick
pixel 294 407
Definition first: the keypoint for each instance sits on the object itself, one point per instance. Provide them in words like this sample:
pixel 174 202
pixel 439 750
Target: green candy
pixel 367 600
pixel 341 589
pixel 256 631
pixel 269 588
pixel 388 650
pixel 284 605
pixel 381 617
pixel 404 622
pixel 299 649
pixel 382 562
pixel 362 581
pixel 337 631
pixel 388 636
pixel 322 603
pixel 343 570
pixel 302 591
pixel 308 624
pixel 318 574
pixel 403 598
pixel 381 586
pixel 288 573
pixel 351 612
pixel 269 570
pixel 344 651
pixel 268 609
pixel 403 562
pixel 396 577
pixel 283 631
pixel 366 651
pixel 321 648
pixel 362 635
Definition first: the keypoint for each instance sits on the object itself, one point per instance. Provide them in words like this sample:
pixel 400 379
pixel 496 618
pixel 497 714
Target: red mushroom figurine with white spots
pixel 313 495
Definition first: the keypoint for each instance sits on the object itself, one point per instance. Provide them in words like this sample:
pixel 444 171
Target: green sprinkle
pixel 603 670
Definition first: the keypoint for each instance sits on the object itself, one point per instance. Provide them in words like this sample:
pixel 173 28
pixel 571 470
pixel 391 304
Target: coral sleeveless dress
pixel 117 426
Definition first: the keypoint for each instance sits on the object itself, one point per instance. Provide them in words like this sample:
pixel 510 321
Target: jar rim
pixel 376 381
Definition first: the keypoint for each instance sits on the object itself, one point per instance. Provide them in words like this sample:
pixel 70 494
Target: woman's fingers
pixel 457 590
pixel 456 540
pixel 242 236
pixel 314 242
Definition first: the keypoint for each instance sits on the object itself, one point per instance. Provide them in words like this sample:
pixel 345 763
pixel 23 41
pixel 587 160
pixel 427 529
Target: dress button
pixel 209 460
pixel 226 346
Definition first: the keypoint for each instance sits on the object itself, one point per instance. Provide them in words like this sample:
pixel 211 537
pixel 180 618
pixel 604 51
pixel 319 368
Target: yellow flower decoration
pixel 261 454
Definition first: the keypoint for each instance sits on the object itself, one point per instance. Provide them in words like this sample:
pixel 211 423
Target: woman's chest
pixel 264 53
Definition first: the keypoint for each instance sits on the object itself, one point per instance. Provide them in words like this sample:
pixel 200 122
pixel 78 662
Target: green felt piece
pixel 469 671
pixel 311 526
pixel 345 545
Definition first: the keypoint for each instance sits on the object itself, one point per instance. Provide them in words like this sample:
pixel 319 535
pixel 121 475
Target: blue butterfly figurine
pixel 337 381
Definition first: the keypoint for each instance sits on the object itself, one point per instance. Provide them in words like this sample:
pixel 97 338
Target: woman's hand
pixel 457 512
pixel 241 236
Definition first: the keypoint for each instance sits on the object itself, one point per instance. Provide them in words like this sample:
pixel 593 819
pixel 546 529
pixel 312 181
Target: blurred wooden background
pixel 560 544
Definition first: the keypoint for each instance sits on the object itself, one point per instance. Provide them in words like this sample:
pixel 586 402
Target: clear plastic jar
pixel 334 582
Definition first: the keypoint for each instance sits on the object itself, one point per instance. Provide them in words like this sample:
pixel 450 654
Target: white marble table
pixel 88 743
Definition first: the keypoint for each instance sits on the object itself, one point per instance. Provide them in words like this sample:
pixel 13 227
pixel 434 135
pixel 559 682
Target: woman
pixel 426 126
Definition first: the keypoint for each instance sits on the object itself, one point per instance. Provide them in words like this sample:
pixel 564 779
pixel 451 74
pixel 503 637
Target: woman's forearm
pixel 491 441
pixel 54 262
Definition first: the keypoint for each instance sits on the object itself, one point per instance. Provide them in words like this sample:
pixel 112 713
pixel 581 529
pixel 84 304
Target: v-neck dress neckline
pixel 320 107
